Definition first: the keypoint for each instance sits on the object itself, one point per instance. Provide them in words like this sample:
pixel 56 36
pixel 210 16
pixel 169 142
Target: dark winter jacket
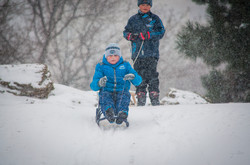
pixel 144 23
pixel 115 74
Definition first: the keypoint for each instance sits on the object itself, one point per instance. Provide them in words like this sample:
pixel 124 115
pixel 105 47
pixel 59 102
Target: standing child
pixel 112 78
pixel 144 30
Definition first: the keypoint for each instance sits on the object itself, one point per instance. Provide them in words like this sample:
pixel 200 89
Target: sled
pixel 100 117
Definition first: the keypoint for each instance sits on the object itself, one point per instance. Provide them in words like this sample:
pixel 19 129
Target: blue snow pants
pixel 119 101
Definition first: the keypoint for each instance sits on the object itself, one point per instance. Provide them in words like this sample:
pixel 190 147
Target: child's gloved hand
pixel 129 76
pixel 102 82
pixel 132 36
pixel 144 36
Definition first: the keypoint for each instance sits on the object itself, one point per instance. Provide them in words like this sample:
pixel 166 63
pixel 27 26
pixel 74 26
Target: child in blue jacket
pixel 112 78
pixel 144 30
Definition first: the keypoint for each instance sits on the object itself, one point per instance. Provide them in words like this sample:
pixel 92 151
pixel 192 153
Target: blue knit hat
pixel 149 2
pixel 112 49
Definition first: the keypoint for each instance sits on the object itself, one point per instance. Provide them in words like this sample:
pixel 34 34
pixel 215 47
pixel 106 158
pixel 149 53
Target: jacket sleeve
pixel 128 29
pixel 137 80
pixel 158 31
pixel 97 76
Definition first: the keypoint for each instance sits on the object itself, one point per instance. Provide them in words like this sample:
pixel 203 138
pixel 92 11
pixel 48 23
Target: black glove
pixel 129 76
pixel 144 36
pixel 132 36
pixel 102 82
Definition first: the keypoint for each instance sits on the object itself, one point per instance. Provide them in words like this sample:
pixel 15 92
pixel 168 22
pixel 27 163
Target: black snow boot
pixel 122 115
pixel 141 96
pixel 110 115
pixel 154 98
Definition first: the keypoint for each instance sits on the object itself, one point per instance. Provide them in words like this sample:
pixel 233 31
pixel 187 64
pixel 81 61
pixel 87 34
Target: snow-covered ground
pixel 61 130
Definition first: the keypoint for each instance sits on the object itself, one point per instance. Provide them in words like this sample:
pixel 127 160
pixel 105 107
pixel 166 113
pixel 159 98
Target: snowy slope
pixel 61 131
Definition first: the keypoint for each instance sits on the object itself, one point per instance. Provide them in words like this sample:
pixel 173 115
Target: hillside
pixel 62 130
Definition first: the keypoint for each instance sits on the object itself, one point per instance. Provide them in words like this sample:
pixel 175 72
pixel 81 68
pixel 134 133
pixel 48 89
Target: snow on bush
pixel 176 96
pixel 26 80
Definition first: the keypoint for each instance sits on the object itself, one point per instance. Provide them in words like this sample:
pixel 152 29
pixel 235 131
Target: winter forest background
pixel 205 51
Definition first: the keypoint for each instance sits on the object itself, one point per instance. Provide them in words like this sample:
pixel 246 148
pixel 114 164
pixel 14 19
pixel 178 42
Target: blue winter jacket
pixel 115 74
pixel 144 23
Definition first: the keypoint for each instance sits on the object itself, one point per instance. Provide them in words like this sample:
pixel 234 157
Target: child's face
pixel 145 8
pixel 113 59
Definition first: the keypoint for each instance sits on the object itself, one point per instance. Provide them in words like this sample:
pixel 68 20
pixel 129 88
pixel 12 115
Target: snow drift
pixel 62 130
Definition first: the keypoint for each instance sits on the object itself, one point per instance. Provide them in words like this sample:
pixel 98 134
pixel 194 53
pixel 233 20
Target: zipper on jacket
pixel 114 80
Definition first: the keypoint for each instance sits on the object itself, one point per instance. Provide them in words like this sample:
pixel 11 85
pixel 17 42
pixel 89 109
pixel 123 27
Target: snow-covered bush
pixel 176 96
pixel 26 80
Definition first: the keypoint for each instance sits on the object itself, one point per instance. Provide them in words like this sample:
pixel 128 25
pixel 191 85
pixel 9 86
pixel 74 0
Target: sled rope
pixel 138 52
pixel 122 93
